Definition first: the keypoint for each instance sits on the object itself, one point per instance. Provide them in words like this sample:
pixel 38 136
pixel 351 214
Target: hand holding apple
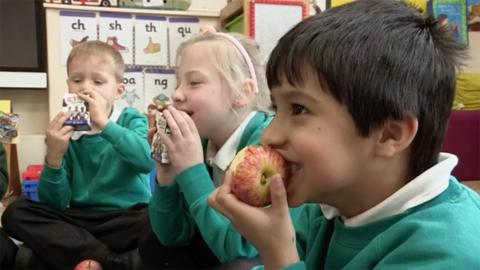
pixel 269 229
pixel 252 169
pixel 88 265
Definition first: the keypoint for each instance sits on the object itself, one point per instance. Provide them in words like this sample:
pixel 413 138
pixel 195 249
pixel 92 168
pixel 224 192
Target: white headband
pixel 238 46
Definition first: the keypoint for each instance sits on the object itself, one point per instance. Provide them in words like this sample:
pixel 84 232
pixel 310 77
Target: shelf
pixel 163 12
pixel 234 8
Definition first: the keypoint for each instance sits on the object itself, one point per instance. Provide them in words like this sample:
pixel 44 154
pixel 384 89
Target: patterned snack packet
pixel 79 115
pixel 156 118
pixel 8 127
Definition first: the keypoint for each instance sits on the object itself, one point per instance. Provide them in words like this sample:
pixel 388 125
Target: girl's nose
pixel 178 96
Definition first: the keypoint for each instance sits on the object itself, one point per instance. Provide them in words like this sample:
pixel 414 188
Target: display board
pixel 269 20
pixel 147 43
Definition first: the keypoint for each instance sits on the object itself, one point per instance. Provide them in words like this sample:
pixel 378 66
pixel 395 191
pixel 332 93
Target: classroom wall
pixel 473 61
pixel 33 105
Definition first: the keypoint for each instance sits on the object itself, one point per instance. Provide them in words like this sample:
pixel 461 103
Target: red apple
pixel 252 169
pixel 88 265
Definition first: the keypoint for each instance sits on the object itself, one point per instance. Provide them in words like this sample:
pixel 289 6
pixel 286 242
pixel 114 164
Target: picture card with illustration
pixel 133 95
pixel 452 13
pixel 116 29
pixel 75 27
pixel 151 42
pixel 473 9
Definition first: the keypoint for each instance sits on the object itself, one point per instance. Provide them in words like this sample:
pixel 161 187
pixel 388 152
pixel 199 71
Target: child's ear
pixel 249 89
pixel 396 136
pixel 120 90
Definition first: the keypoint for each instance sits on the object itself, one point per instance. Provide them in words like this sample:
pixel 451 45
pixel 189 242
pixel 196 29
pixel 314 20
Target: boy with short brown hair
pixel 94 188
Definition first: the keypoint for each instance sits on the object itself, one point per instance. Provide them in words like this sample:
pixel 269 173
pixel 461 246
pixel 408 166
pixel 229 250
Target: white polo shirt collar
pixel 423 188
pixel 220 160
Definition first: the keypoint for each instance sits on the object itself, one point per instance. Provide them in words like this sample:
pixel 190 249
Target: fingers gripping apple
pixel 252 169
pixel 88 265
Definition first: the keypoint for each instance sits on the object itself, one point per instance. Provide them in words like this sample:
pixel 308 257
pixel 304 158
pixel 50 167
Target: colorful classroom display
pixel 461 16
pixel 452 13
pixel 148 45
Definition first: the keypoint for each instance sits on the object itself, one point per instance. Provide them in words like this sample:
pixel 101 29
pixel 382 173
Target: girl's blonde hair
pixel 232 66
pixel 101 49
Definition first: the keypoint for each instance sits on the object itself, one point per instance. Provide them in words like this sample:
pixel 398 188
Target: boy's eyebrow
pixel 295 93
pixel 299 94
pixel 291 92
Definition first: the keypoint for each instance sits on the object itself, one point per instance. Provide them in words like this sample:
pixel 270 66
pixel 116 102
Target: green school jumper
pixel 443 233
pixel 177 210
pixel 106 171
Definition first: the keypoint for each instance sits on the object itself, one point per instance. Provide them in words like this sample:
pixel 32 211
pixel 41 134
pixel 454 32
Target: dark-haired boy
pixel 362 94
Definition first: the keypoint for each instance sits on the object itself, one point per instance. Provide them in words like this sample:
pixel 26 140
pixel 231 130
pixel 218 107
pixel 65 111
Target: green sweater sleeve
pixel 170 221
pixel 130 141
pixel 119 156
pixel 296 266
pixel 3 172
pixel 53 187
pixel 194 185
pixel 174 225
pixel 225 242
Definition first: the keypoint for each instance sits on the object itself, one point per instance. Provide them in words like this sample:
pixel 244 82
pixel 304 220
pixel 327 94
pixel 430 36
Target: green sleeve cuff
pixel 300 265
pixel 52 174
pixel 165 197
pixel 112 131
pixel 195 183
pixel 295 266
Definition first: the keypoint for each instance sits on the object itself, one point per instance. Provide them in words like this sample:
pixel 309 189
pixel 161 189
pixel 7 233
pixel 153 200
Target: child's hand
pixel 150 133
pixel 165 174
pixel 98 107
pixel 57 139
pixel 269 229
pixel 183 144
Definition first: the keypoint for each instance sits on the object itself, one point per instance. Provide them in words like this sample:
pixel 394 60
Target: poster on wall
pixel 270 20
pixel 452 13
pixel 117 30
pixel 159 82
pixel 336 3
pixel 473 9
pixel 420 4
pixel 75 27
pixel 179 30
pixel 151 43
pixel 133 95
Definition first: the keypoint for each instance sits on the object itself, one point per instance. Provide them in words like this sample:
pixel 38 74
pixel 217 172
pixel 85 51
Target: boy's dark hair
pixel 382 60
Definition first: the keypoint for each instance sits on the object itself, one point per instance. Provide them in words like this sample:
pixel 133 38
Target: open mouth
pixel 190 113
pixel 292 170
